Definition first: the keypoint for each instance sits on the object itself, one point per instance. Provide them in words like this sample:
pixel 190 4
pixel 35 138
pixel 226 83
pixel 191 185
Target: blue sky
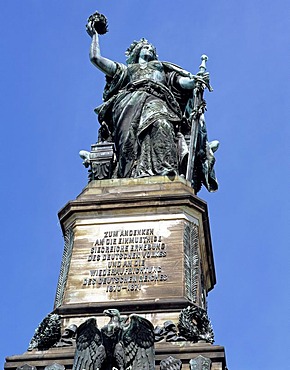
pixel 48 92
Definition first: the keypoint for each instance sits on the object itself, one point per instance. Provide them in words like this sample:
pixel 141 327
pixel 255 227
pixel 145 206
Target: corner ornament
pixel 195 325
pixel 47 333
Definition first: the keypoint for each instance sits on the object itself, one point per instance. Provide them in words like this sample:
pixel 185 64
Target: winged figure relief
pixel 122 344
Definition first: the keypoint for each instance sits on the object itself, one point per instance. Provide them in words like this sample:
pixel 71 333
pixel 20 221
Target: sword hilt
pixel 202 67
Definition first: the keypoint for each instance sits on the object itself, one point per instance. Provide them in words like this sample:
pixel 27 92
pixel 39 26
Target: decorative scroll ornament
pixel 122 343
pixel 47 333
pixel 195 325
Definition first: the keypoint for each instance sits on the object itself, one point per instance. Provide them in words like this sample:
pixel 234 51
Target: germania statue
pixel 152 119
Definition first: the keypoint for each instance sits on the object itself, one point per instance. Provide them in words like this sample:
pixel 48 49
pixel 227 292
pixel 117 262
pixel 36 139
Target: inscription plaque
pixel 113 260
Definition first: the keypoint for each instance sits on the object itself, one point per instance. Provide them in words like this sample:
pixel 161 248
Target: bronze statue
pixel 148 113
pixel 121 344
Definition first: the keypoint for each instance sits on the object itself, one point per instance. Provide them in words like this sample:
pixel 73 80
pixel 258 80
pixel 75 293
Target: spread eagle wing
pixel 138 343
pixel 90 352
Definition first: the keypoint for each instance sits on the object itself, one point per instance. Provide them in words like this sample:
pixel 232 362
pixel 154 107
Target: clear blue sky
pixel 48 92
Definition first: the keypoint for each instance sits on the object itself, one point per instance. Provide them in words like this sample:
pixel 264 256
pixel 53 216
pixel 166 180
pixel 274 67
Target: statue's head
pixel 134 50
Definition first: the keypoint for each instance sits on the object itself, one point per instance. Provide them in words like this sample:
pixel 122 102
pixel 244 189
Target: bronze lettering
pixel 125 253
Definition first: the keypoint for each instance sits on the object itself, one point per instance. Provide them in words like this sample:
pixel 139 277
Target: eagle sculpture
pixel 124 343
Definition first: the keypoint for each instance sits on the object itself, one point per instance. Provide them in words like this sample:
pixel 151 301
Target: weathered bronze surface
pixel 195 325
pixel 154 114
pixel 47 334
pixel 68 337
pixel 120 344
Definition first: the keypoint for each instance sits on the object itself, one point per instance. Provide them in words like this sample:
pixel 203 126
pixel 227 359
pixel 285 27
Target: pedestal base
pixel 183 351
pixel 139 245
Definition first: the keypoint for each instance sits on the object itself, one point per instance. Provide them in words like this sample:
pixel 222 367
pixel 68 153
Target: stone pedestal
pixel 183 351
pixel 139 245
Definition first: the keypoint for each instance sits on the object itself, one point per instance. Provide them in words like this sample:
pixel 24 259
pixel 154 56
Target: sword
pixel 199 106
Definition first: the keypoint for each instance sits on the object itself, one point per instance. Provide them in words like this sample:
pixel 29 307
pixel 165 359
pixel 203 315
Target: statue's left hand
pixel 192 81
pixel 202 79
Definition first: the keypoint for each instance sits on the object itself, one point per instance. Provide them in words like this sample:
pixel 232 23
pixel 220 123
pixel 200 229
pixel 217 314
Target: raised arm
pixel 107 66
